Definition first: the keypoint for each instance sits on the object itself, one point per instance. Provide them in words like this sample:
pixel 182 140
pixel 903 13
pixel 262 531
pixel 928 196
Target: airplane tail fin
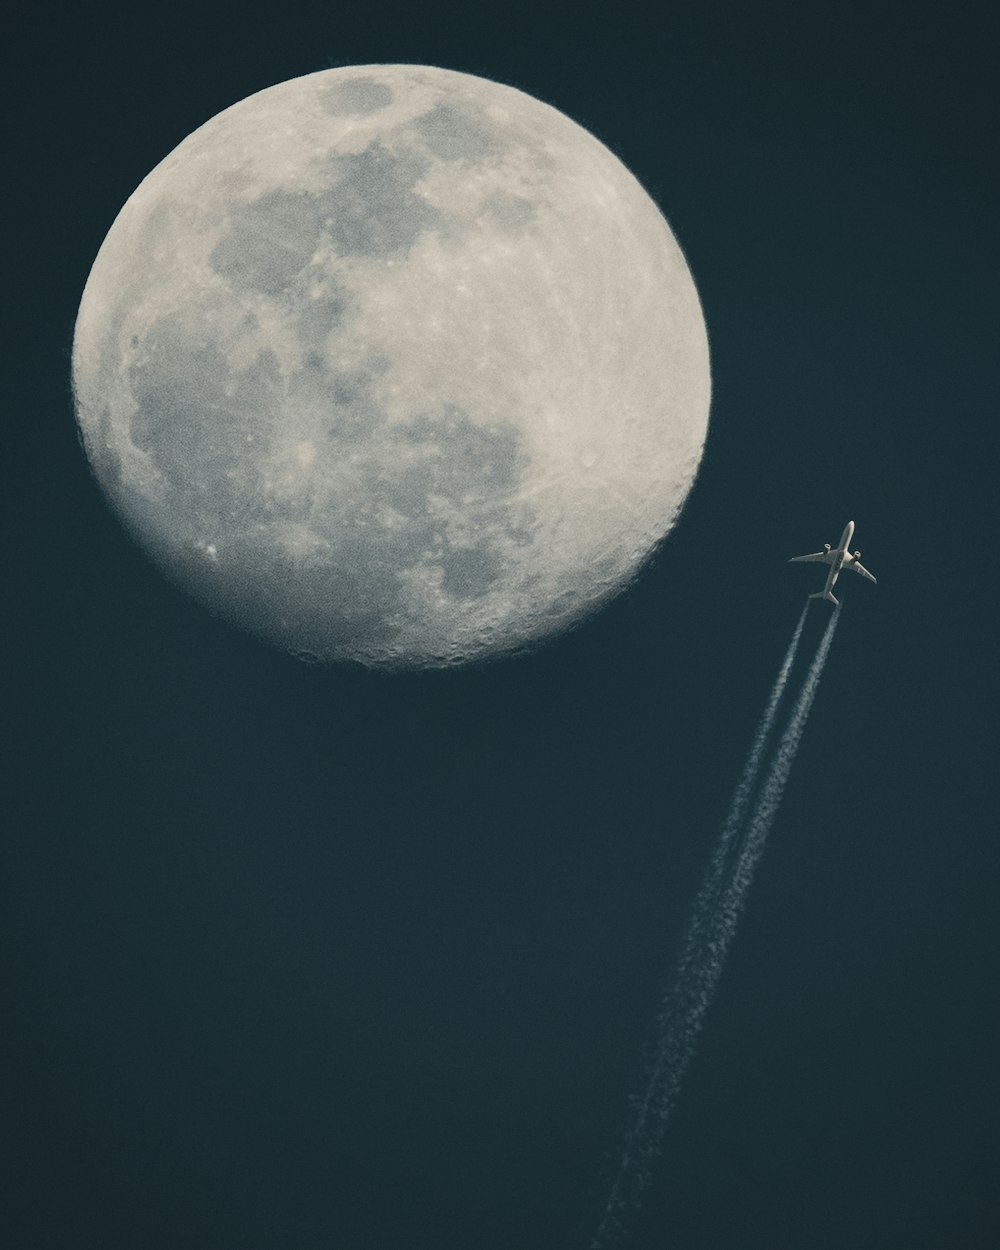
pixel 824 594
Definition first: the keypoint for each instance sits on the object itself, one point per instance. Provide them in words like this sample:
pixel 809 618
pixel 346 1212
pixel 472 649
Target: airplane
pixel 839 557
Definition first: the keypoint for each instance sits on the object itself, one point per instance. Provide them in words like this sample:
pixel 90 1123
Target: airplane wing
pixel 859 568
pixel 821 557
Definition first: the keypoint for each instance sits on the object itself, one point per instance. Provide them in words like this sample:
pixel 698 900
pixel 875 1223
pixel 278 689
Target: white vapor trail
pixel 741 797
pixel 733 899
pixel 709 931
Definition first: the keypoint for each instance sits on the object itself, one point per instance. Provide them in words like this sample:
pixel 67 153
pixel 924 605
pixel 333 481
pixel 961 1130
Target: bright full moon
pixel 393 364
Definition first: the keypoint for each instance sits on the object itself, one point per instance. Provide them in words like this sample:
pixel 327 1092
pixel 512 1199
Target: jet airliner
pixel 839 557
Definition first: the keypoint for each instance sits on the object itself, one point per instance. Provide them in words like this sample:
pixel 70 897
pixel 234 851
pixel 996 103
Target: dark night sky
pixel 300 958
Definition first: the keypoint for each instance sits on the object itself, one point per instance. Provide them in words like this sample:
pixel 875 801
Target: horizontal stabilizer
pixel 823 594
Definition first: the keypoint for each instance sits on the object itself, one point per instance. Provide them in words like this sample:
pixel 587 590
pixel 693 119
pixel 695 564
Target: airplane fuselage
pixel 841 556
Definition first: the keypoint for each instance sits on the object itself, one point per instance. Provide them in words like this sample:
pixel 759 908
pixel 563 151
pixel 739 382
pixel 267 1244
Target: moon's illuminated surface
pixel 393 364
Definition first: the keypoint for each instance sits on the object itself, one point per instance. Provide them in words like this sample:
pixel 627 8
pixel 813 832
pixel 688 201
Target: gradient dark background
pixel 300 958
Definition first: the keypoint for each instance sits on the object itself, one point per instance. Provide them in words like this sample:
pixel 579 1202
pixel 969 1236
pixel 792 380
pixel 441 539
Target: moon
pixel 393 364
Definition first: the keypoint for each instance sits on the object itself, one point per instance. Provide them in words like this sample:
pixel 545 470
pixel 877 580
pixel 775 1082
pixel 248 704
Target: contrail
pixel 682 1008
pixel 741 795
pixel 734 897
pixel 709 931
